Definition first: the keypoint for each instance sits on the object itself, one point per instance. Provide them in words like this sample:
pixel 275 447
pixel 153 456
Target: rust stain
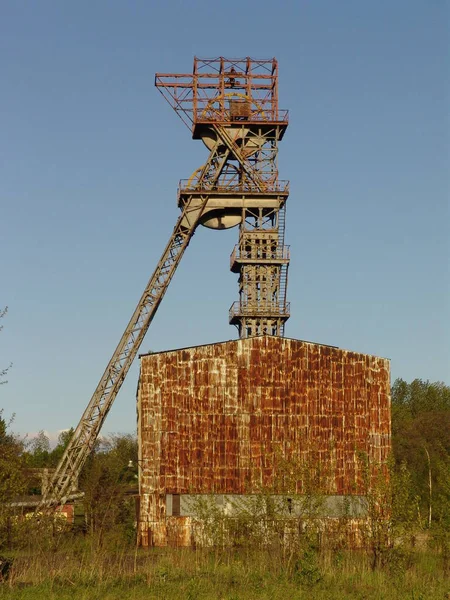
pixel 216 418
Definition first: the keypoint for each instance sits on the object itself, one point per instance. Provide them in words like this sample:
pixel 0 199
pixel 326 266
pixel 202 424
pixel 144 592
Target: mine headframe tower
pixel 232 106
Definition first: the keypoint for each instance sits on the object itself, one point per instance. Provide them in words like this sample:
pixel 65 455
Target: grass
pixel 83 571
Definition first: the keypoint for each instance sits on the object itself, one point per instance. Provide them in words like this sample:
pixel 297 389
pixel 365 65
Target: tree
pixel 421 441
pixel 63 441
pixel 4 371
pixel 38 456
pixel 12 482
pixel 105 480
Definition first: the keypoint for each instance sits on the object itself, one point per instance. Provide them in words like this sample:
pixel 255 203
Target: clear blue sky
pixel 91 156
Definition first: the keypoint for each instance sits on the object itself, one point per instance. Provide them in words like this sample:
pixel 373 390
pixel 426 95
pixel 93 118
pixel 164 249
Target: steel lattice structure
pixel 232 106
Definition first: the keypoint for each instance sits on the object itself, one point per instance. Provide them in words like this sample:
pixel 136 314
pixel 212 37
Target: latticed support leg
pixel 262 266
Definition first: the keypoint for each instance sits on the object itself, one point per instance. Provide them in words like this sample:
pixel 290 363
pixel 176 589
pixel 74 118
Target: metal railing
pixel 212 115
pixel 271 309
pixel 260 253
pixel 234 187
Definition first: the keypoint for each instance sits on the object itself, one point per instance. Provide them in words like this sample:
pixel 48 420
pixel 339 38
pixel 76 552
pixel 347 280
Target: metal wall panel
pixel 218 419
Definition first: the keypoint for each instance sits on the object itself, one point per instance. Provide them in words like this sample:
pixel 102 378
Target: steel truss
pixel 232 106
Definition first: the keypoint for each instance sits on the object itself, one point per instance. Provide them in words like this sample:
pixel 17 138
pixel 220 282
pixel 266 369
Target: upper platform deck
pixel 224 91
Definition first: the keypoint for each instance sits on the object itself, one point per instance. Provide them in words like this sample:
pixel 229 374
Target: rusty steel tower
pixel 232 106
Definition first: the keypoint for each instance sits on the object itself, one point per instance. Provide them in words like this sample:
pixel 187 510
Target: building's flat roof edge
pixel 264 336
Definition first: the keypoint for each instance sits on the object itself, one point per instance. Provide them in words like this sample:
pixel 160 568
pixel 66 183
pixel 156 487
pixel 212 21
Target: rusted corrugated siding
pixel 217 418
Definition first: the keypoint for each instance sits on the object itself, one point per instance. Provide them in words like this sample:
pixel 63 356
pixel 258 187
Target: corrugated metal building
pixel 216 419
